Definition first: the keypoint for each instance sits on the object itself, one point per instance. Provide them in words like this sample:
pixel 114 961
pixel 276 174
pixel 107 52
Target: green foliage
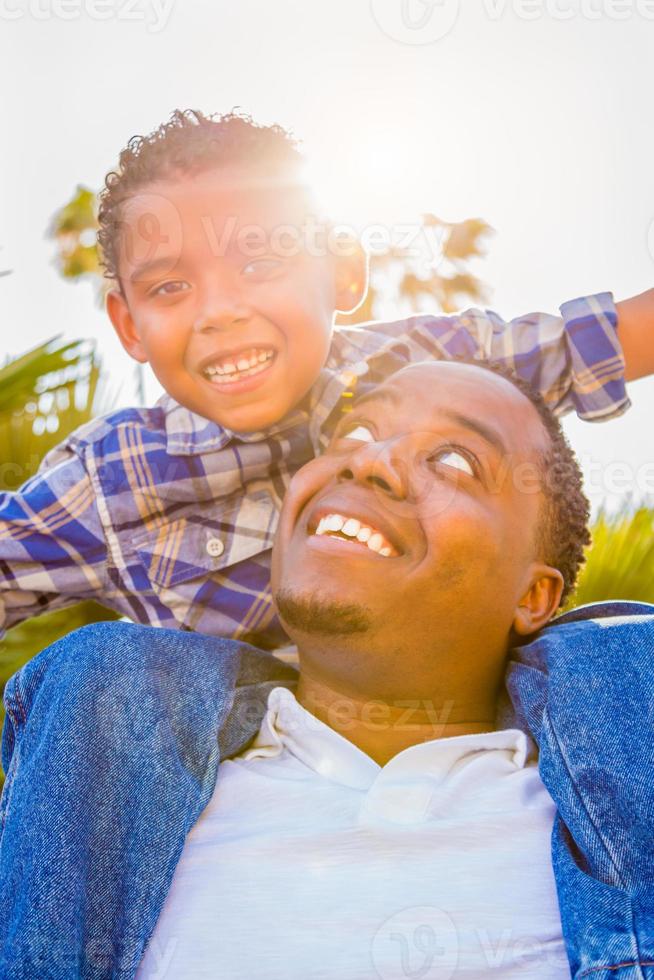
pixel 429 273
pixel 620 561
pixel 74 228
pixel 44 395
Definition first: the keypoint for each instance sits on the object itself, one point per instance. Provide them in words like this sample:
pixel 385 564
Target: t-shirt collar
pixel 288 725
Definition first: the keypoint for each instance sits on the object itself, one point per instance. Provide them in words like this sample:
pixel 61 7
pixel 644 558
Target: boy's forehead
pixel 219 194
pixel 214 213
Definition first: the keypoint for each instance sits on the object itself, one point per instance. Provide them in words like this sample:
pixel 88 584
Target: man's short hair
pixel 563 532
pixel 190 143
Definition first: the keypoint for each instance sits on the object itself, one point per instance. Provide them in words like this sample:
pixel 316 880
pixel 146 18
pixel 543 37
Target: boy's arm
pixel 636 330
pixel 575 360
pixel 52 546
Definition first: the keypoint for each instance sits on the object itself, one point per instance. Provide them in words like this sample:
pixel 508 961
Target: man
pixel 388 819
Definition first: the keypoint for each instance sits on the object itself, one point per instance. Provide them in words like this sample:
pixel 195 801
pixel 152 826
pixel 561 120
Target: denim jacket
pixel 113 739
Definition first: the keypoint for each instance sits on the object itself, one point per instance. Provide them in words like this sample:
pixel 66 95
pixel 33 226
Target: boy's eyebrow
pixel 162 264
pixel 392 397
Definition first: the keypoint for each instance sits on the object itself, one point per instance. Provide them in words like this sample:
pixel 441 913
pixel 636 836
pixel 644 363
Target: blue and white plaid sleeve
pixel 52 544
pixel 574 360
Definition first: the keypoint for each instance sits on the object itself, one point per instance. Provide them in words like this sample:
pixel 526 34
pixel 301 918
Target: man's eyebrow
pixel 488 434
pixel 390 396
pixel 163 264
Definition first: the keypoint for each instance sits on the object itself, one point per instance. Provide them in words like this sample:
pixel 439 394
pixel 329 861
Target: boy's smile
pixel 220 295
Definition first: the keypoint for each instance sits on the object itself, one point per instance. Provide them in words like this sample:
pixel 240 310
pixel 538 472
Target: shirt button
pixel 215 547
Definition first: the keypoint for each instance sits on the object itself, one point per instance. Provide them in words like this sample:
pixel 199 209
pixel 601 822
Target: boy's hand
pixel 636 334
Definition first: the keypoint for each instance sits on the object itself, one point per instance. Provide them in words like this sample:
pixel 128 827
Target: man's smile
pixel 353 531
pixel 352 524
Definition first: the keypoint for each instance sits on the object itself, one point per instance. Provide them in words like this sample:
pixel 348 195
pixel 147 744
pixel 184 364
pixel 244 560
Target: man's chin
pixel 318 615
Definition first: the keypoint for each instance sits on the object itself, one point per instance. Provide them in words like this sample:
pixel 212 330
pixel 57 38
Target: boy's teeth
pixel 252 362
pixel 350 527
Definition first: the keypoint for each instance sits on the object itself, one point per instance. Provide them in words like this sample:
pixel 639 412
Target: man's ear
pixel 540 601
pixel 123 323
pixel 350 276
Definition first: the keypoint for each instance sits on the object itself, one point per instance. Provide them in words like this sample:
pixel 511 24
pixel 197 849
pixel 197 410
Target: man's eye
pixel 457 460
pixel 359 432
pixel 262 269
pixel 170 288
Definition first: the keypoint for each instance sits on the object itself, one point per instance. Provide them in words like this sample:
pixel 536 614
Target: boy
pixel 167 514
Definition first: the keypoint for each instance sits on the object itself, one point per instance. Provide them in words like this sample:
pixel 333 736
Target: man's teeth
pixel 350 527
pixel 228 370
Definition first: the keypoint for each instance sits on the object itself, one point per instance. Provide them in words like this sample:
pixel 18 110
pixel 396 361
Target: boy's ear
pixel 121 318
pixel 541 600
pixel 350 276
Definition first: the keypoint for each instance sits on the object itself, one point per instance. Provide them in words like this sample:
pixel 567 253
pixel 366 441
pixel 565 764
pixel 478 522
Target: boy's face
pixel 221 295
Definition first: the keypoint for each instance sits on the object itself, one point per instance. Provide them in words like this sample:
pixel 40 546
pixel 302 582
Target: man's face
pixel 436 476
pixel 222 297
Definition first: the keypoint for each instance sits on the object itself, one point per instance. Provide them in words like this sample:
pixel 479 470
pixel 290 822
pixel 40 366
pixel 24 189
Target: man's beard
pixel 311 614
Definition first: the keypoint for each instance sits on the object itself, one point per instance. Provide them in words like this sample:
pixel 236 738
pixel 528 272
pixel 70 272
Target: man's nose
pixel 222 306
pixel 381 466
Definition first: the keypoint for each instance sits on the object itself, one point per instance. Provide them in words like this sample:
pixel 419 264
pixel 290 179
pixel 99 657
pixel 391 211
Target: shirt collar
pixel 288 725
pixel 189 434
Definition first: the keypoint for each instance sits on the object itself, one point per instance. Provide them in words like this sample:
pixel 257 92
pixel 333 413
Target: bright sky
pixel 533 115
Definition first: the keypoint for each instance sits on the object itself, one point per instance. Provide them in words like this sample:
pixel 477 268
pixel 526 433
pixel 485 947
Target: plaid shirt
pixel 169 518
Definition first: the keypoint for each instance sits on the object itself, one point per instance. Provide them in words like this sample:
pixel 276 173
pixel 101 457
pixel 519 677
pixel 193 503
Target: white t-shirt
pixel 312 862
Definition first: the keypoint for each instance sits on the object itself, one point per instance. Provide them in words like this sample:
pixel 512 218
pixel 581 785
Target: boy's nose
pixel 220 311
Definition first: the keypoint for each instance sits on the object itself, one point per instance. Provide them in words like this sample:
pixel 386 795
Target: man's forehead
pixel 467 393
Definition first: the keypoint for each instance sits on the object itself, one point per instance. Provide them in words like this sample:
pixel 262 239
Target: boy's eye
pixel 452 457
pixel 170 288
pixel 361 433
pixel 261 269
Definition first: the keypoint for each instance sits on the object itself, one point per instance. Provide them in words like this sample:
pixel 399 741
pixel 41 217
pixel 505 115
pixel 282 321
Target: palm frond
pixel 44 395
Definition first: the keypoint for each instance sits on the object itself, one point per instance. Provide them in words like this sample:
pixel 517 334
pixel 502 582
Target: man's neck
pixel 382 728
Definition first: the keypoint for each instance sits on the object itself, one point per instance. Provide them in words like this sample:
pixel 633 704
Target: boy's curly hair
pixel 563 532
pixel 191 142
